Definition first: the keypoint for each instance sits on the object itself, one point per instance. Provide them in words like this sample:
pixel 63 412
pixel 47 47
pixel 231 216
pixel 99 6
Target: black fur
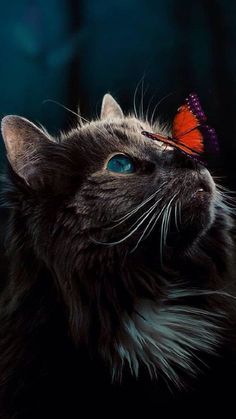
pixel 71 297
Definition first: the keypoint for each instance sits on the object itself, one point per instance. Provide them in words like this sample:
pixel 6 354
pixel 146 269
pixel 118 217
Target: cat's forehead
pixel 128 125
pixel 127 130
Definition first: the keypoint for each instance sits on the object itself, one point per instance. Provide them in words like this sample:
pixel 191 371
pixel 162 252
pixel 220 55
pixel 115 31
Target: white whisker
pixel 155 217
pixel 165 225
pixel 133 230
pixel 176 216
pixel 135 96
pixel 126 216
pixel 158 103
pixel 148 211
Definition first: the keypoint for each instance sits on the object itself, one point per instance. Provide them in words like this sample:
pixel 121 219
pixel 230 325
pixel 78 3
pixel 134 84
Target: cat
pixel 120 271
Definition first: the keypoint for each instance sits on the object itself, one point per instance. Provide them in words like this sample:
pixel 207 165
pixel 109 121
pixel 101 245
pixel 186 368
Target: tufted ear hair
pixel 23 141
pixel 110 108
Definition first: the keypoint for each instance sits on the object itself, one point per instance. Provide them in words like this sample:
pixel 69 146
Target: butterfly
pixel 190 134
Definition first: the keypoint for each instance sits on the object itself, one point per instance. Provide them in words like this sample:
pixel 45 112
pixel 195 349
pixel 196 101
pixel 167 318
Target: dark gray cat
pixel 120 269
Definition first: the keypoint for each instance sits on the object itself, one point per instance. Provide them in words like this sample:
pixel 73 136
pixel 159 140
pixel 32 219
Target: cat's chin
pixel 193 214
pixel 196 224
pixel 197 207
pixel 198 211
pixel 198 215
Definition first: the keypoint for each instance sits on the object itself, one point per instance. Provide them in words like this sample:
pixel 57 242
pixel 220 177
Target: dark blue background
pixel 74 51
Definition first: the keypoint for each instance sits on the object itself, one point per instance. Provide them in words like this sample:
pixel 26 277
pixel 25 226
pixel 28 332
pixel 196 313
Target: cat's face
pixel 108 184
pixel 137 188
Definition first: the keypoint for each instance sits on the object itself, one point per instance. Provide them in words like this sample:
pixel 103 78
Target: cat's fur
pixel 89 307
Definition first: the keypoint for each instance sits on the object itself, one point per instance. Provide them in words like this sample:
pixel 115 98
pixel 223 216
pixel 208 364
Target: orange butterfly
pixel 190 134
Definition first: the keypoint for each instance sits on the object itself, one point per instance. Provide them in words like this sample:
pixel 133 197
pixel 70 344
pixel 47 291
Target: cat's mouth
pixel 199 193
pixel 202 191
pixel 197 186
pixel 198 204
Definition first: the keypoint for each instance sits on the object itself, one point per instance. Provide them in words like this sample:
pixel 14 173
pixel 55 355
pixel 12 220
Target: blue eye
pixel 120 164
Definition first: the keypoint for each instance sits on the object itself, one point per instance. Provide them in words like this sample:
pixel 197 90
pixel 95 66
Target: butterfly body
pixel 190 134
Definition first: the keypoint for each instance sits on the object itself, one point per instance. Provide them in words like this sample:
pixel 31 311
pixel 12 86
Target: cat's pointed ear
pixel 110 108
pixel 22 140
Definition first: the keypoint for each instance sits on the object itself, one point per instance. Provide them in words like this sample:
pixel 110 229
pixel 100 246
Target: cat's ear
pixel 22 140
pixel 110 108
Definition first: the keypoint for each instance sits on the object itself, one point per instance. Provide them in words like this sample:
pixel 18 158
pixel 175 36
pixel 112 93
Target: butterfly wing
pixel 185 129
pixel 189 128
pixel 190 134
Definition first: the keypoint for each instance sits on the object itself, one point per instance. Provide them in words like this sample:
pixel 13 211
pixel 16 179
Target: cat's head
pixel 108 184
pixel 105 209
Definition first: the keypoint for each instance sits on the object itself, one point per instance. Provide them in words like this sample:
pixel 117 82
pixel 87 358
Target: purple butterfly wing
pixel 209 134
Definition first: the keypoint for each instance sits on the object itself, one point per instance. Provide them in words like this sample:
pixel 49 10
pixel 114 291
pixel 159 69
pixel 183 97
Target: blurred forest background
pixel 74 51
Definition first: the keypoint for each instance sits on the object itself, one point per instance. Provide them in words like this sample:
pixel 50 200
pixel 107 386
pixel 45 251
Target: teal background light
pixel 74 51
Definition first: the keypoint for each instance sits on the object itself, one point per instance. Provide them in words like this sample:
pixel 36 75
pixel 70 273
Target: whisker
pixel 65 107
pixel 158 103
pixel 72 112
pixel 124 217
pixel 135 96
pixel 179 210
pixel 180 293
pixel 226 203
pixel 226 200
pixel 133 230
pixel 141 100
pixel 158 215
pixel 148 108
pixel 150 209
pixel 161 236
pixel 143 93
pixel 155 217
pixel 176 216
pixel 165 225
pixel 224 189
